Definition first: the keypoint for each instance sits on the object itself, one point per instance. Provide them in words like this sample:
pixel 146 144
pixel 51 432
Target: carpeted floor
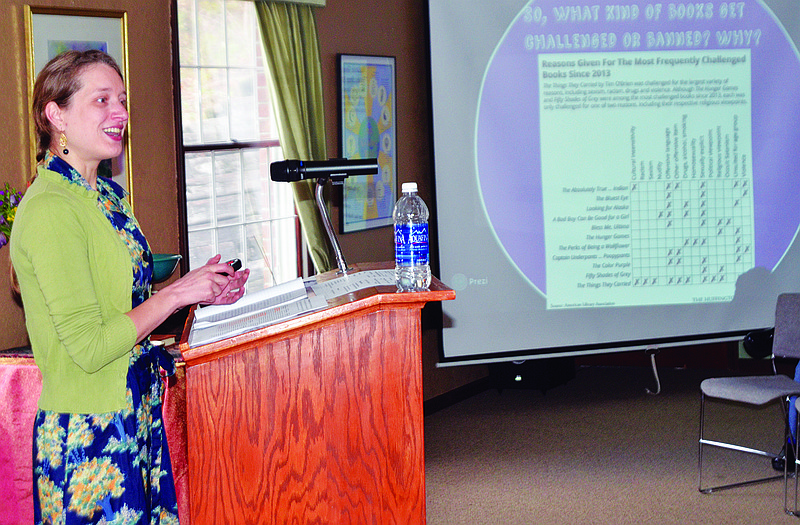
pixel 597 450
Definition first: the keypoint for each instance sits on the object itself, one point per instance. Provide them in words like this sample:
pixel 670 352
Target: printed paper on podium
pixel 253 311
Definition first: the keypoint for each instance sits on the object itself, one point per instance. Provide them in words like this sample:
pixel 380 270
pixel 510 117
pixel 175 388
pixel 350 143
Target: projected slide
pixel 682 216
pixel 630 157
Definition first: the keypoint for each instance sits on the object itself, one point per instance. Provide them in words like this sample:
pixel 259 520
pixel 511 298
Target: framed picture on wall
pixel 367 116
pixel 50 31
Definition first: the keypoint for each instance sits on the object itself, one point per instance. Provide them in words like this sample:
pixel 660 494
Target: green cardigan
pixel 75 275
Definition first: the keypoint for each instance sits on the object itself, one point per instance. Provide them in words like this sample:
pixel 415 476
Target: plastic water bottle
pixel 412 269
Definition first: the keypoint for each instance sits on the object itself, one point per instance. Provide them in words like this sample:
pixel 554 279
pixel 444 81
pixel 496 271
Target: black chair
pixel 757 390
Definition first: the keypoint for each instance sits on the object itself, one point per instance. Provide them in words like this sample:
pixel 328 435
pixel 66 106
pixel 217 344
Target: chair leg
pixel 794 442
pixel 786 508
pixel 705 442
pixel 796 450
pixel 700 443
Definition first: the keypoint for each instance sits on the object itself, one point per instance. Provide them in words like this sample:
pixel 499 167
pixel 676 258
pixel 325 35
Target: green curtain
pixel 289 33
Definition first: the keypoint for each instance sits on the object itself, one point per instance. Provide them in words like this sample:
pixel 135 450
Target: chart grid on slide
pixel 691 231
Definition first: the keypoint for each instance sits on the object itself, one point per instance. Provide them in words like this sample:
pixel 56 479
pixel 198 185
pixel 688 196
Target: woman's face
pixel 96 117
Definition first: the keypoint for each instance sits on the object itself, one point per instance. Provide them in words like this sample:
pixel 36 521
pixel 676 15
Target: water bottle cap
pixel 409 187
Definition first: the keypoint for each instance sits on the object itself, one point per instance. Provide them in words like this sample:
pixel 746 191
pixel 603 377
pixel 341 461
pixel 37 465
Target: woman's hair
pixel 57 82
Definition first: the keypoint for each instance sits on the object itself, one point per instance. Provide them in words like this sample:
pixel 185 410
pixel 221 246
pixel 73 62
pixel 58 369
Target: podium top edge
pixel 364 299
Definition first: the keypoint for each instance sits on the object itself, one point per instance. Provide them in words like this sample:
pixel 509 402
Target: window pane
pixel 284 261
pixel 256 186
pixel 258 258
pixel 280 200
pixel 228 188
pixel 244 121
pixel 214 104
pixel 230 242
pixel 199 191
pixel 267 251
pixel 187 23
pixel 211 32
pixel 202 248
pixel 267 122
pixel 190 106
pixel 242 35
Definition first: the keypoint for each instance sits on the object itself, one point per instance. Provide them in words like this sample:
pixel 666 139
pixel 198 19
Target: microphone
pixel 337 169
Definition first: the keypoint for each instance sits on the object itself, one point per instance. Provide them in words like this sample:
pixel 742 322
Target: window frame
pixel 301 251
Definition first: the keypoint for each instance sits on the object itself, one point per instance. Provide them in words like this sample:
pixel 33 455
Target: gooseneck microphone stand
pixel 326 220
pixel 335 170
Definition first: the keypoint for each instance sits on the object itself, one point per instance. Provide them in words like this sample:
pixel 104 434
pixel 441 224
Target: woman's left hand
pixel 212 283
pixel 234 289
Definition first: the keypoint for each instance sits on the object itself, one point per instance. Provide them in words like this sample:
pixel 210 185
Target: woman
pixel 84 271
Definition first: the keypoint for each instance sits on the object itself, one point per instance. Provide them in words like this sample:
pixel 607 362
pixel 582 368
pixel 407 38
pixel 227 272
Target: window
pixel 229 141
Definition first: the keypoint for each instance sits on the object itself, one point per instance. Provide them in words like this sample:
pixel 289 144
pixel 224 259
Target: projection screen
pixel 613 176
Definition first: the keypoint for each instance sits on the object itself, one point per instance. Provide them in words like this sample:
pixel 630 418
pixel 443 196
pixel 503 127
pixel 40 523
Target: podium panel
pixel 316 420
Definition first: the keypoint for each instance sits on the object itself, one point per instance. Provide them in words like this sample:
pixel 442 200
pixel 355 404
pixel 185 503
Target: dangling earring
pixel 62 143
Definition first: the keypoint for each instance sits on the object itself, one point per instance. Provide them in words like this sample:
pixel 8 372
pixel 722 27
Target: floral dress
pixel 110 468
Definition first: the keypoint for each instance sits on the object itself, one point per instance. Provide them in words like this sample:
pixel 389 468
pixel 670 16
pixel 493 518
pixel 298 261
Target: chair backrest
pixel 786 341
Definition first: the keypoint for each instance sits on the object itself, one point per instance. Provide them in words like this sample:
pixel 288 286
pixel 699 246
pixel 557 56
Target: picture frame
pixel 368 129
pixel 52 30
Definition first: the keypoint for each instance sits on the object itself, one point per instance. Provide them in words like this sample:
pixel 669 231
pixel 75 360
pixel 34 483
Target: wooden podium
pixel 318 419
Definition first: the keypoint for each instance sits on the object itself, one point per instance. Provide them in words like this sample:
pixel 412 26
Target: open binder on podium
pixel 275 304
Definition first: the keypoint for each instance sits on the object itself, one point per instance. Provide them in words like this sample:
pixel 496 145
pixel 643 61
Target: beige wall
pixel 345 26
